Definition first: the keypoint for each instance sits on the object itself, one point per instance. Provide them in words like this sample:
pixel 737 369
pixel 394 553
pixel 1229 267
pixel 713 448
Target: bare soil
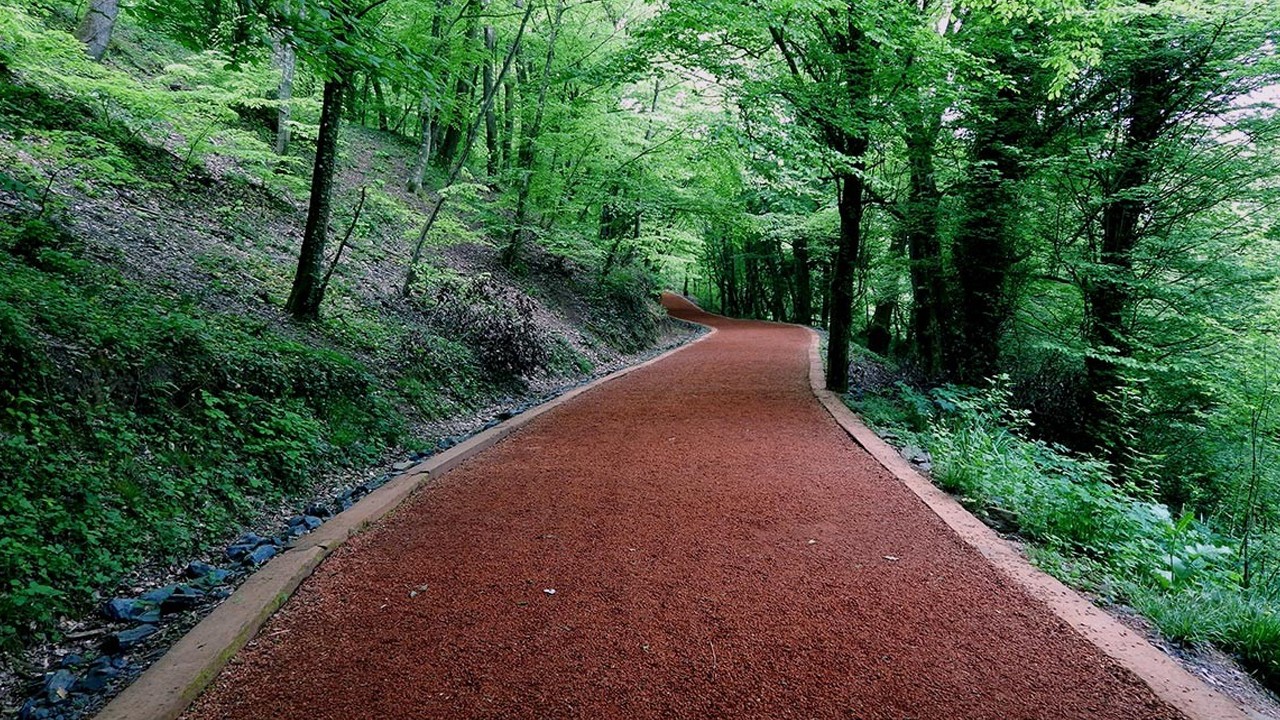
pixel 696 539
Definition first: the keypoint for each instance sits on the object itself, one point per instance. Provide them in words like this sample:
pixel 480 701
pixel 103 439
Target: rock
pixel 260 555
pixel 199 569
pixel 160 595
pixel 71 661
pixel 213 578
pixel 128 639
pixel 402 466
pixel 311 522
pixel 295 521
pixel 32 710
pixel 183 598
pixel 319 511
pixel 505 415
pixel 127 610
pixel 917 456
pixel 97 678
pixel 57 685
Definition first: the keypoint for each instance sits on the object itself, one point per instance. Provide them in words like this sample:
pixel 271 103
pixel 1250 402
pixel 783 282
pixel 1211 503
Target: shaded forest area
pixel 245 238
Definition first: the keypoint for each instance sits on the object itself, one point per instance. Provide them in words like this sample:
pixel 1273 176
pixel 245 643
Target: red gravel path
pixel 718 547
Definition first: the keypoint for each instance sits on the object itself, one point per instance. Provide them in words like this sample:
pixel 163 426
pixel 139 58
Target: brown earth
pixel 718 547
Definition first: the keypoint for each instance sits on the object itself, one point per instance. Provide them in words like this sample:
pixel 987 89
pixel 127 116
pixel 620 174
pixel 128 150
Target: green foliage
pixel 1086 529
pixel 137 427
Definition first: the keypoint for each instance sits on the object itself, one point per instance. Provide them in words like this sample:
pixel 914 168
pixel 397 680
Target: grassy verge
pixel 1084 528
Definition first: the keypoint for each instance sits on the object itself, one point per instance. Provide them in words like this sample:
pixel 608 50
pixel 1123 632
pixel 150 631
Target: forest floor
pixel 696 539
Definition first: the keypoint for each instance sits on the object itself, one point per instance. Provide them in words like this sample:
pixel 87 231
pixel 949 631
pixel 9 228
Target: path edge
pixel 168 687
pixel 1167 679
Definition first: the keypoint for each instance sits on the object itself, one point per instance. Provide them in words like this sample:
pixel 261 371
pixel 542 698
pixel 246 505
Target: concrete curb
pixel 174 681
pixel 1168 680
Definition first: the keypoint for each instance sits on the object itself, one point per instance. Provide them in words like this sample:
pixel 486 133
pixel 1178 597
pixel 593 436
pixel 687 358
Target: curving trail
pixel 718 547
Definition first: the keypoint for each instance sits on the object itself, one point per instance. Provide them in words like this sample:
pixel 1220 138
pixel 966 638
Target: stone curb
pixel 174 681
pixel 1168 680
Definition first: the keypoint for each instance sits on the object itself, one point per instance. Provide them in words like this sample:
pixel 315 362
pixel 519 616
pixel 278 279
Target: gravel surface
pixel 697 539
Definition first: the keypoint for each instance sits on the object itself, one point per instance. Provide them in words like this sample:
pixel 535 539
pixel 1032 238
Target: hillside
pixel 157 397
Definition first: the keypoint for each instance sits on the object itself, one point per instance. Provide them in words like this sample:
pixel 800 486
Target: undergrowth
pixel 135 426
pixel 1084 526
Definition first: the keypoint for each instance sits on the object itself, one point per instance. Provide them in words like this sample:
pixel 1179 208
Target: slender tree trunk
pixel 508 123
pixel 96 26
pixel 308 290
pixel 380 100
pixel 287 62
pixel 528 146
pixel 491 138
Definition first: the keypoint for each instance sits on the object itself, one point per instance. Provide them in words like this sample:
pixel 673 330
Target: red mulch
pixel 718 547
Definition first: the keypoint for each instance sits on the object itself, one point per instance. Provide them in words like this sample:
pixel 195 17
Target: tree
pixel 339 45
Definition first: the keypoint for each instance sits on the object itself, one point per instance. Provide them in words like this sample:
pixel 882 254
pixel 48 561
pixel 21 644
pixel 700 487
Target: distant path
pixel 718 548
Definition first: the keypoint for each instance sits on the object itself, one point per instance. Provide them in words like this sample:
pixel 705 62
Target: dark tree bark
pixel 984 252
pixel 1108 294
pixel 491 138
pixel 96 26
pixel 802 288
pixel 308 288
pixel 920 219
pixel 850 205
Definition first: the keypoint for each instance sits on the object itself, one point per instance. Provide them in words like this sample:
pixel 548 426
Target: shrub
pixel 498 324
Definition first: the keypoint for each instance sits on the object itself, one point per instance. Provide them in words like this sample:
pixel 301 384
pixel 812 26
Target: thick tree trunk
pixel 96 26
pixel 851 207
pixel 920 217
pixel 802 288
pixel 308 289
pixel 983 252
pixel 1108 294
pixel 463 88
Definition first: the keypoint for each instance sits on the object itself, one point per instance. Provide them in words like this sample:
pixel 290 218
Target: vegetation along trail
pixel 696 539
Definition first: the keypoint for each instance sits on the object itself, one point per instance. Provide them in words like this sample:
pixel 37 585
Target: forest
pixel 1040 238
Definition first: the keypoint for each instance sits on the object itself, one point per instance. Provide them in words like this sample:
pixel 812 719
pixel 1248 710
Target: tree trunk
pixel 850 205
pixel 96 26
pixel 308 291
pixel 491 138
pixel 380 100
pixel 508 123
pixel 920 217
pixel 528 147
pixel 1108 294
pixel 463 88
pixel 287 61
pixel 802 289
pixel 983 252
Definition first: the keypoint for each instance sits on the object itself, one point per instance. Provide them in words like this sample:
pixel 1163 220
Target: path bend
pixel 718 548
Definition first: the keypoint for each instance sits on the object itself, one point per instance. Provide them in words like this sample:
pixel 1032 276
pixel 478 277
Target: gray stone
pixel 128 639
pixel 260 555
pixel 57 685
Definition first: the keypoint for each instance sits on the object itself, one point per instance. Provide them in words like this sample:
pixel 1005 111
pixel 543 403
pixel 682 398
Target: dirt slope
pixel 717 547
